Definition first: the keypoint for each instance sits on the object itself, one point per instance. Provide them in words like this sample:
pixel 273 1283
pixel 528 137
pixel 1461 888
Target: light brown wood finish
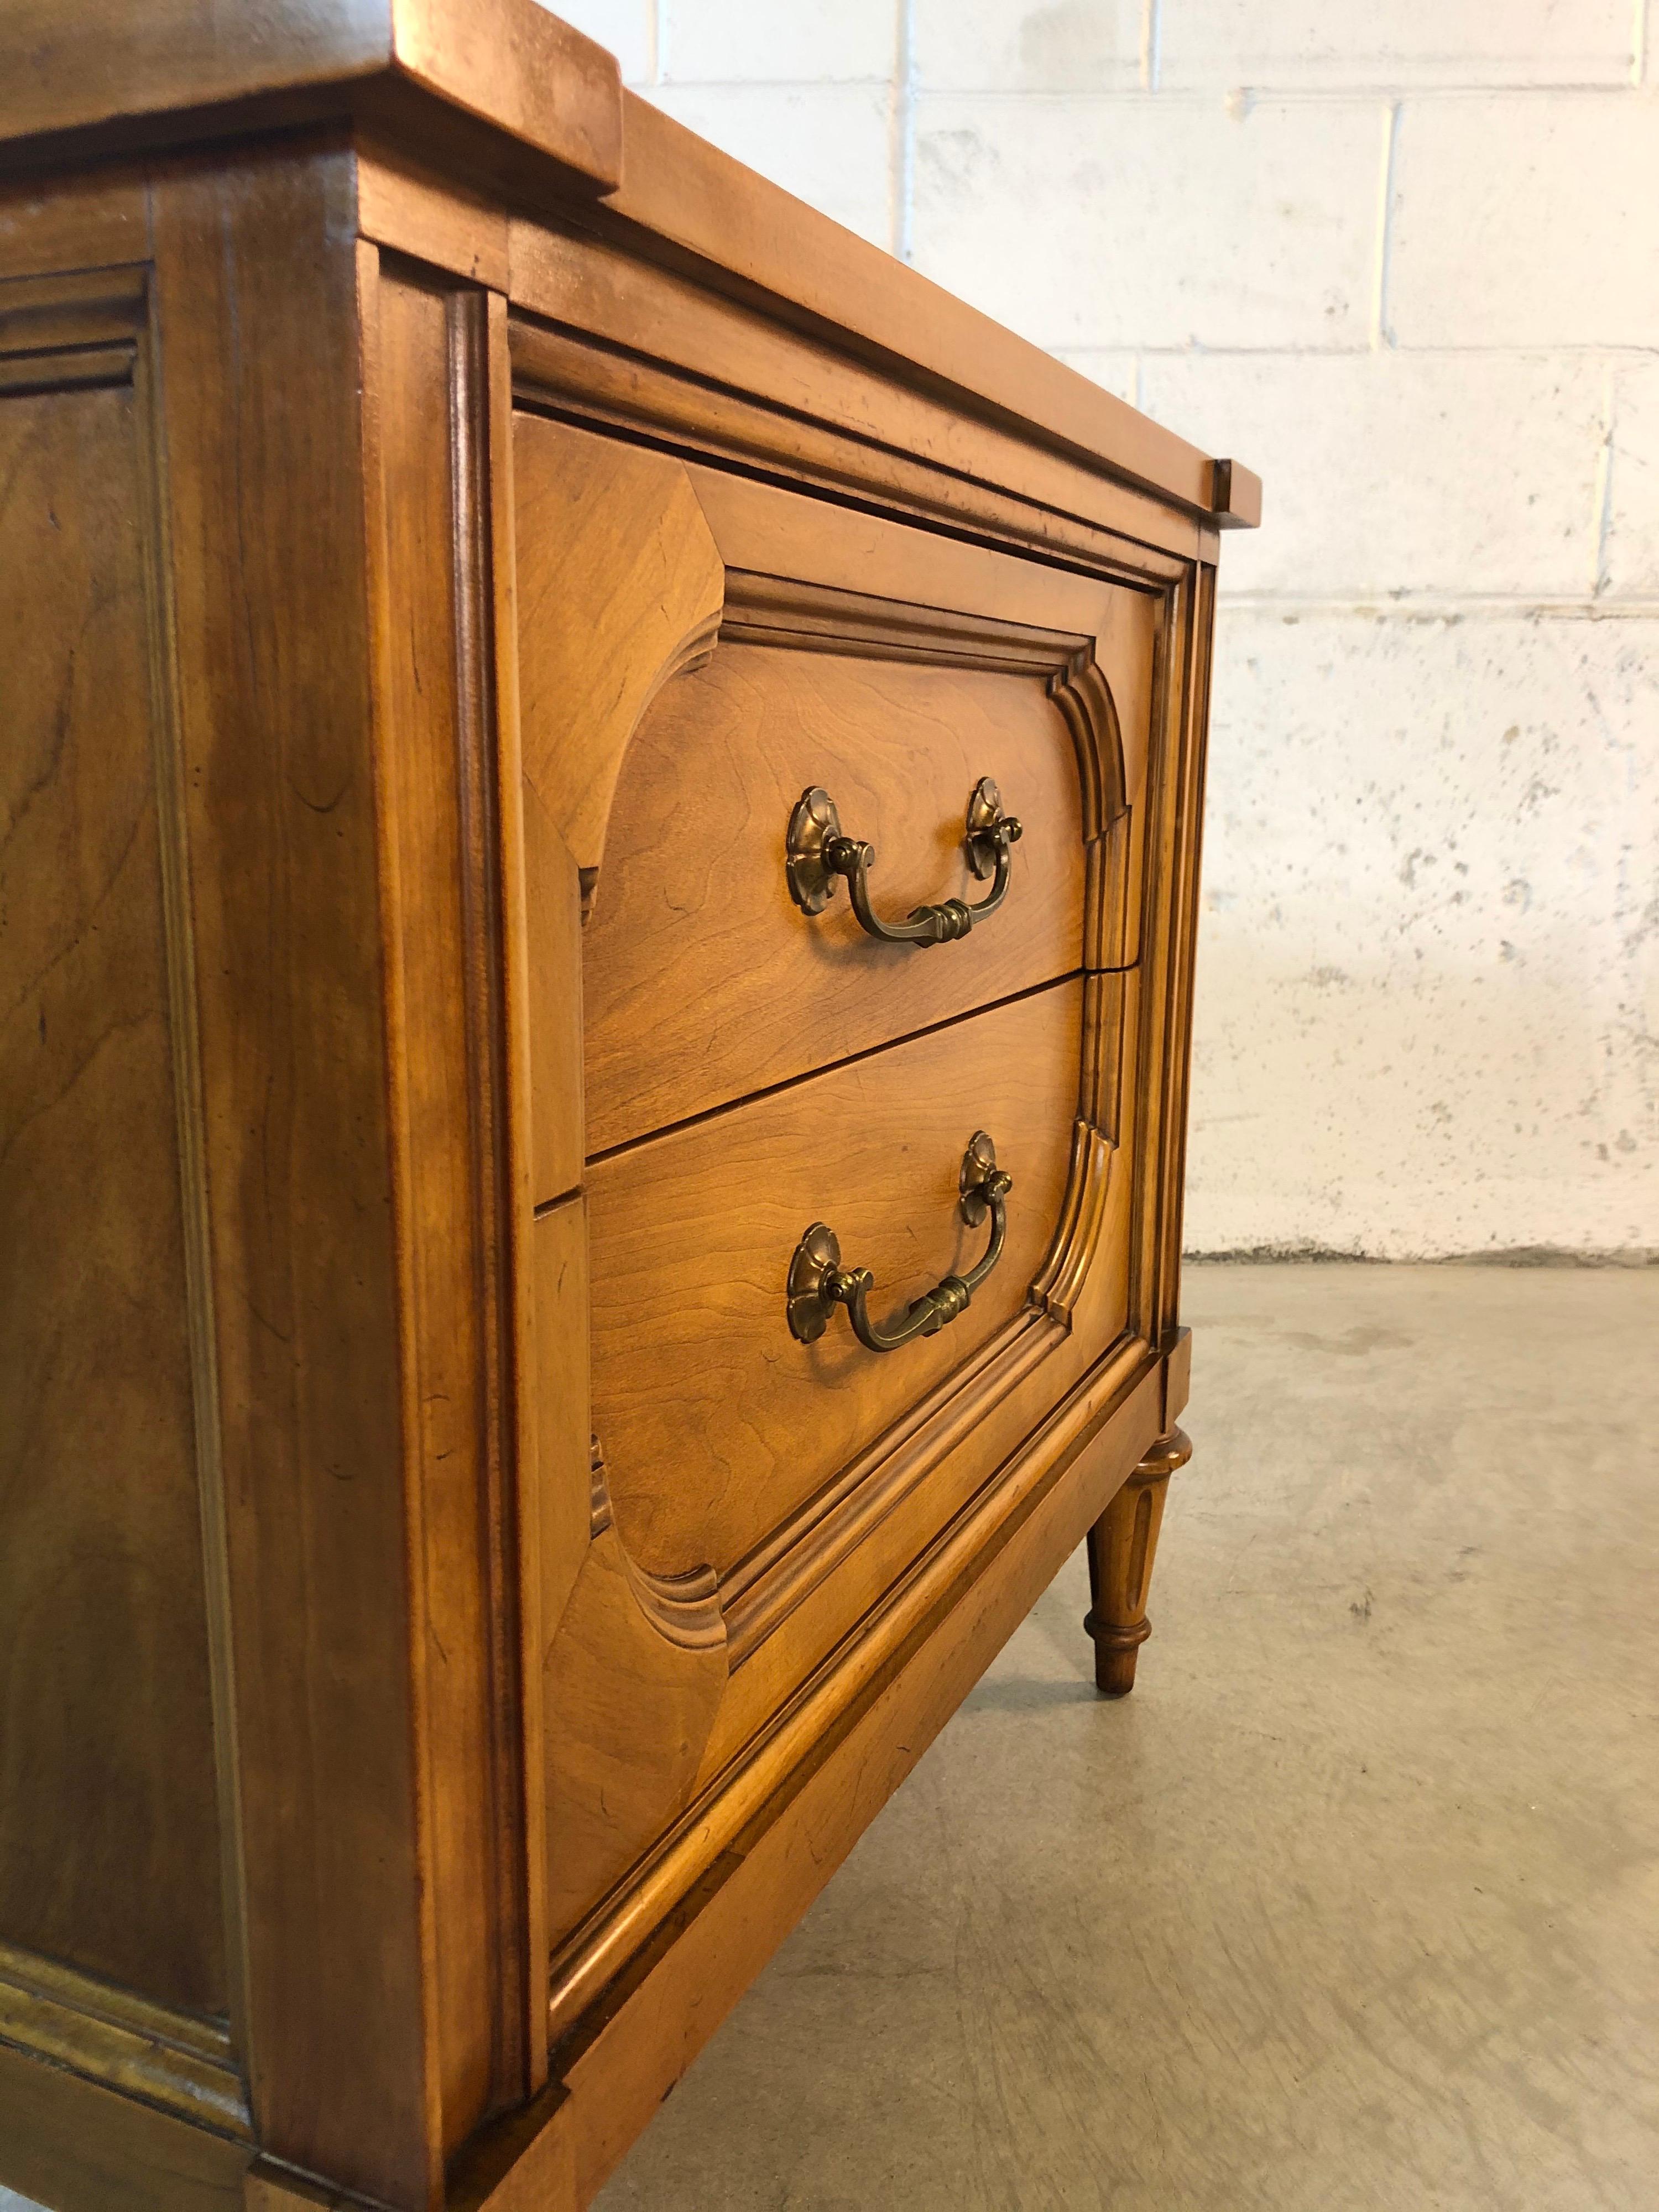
pixel 680 188
pixel 109 1846
pixel 553 1050
pixel 714 1422
pixel 260 350
pixel 1122 1545
pixel 184 68
pixel 620 587
pixel 620 2063
pixel 445 1752
pixel 428 362
pixel 79 2147
pixel 74 222
pixel 704 982
pixel 175 2061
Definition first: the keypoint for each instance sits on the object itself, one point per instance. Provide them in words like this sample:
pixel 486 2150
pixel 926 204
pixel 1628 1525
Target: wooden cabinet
pixel 601 817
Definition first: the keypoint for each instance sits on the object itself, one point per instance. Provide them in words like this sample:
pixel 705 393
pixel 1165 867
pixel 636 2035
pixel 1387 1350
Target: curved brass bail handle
pixel 818 1283
pixel 817 853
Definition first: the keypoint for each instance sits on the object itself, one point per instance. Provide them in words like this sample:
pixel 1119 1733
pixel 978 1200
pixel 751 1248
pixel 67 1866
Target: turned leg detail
pixel 1122 1545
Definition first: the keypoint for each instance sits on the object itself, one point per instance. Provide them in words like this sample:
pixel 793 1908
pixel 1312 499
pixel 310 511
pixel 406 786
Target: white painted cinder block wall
pixel 1402 258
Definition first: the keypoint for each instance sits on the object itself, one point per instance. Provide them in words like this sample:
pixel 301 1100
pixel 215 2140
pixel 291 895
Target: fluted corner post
pixel 1122 1545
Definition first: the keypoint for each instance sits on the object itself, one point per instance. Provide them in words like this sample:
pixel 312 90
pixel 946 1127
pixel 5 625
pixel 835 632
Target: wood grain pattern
pixel 1123 1546
pixel 794 1600
pixel 768 533
pixel 521 1413
pixel 799 1594
pixel 563 1405
pixel 78 2147
pixel 502 84
pixel 628 1708
pixel 685 359
pixel 427 369
pixel 174 2061
pixel 1104 1425
pixel 607 389
pixel 92 221
pixel 703 982
pixel 661 2015
pixel 109 1849
pixel 663 2012
pixel 533 79
pixel 858 301
pixel 404 206
pixel 262 380
pixel 620 587
pixel 374 744
pixel 713 1421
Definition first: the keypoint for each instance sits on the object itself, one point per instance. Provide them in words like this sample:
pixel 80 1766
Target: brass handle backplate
pixel 817 853
pixel 818 1283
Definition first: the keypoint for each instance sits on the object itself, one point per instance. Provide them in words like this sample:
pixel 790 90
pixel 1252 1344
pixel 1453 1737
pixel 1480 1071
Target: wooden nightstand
pixel 602 798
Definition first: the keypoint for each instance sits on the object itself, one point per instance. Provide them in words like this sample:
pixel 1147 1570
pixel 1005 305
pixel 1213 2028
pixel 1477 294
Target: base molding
pixel 122 2041
pixel 77 2146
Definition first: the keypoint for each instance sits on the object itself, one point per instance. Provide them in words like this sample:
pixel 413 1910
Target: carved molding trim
pixel 1077 1234
pixel 122 2041
pixel 758 608
pixel 761 1592
pixel 809 617
pixel 591 376
pixel 684 1609
pixel 836 1695
pixel 787 610
pixel 80 330
pixel 1078 687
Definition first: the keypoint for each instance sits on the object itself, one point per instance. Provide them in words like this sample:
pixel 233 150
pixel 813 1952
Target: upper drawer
pixel 696 651
pixel 704 982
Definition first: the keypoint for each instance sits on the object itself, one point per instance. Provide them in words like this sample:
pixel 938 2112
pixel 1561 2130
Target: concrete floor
pixel 1355 1903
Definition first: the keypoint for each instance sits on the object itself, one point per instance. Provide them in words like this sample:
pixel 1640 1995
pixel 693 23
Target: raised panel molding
pixel 116 1662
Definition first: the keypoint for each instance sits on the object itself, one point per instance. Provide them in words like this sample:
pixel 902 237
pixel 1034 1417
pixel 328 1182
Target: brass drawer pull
pixel 817 853
pixel 818 1283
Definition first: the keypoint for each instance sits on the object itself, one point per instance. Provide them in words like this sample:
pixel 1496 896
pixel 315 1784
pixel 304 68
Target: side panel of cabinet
pixel 262 1704
pixel 109 1832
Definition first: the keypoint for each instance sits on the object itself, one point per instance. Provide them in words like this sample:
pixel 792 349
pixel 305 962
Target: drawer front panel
pixel 715 1422
pixel 696 651
pixel 705 983
pixel 732 1498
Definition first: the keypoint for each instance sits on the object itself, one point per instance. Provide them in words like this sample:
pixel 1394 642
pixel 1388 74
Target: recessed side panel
pixel 109 1849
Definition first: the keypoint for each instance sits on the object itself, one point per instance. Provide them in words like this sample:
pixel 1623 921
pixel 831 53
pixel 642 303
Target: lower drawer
pixel 714 1421
pixel 753 1494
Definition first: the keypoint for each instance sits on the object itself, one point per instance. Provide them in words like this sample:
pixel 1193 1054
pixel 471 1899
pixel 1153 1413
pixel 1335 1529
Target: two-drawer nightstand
pixel 602 806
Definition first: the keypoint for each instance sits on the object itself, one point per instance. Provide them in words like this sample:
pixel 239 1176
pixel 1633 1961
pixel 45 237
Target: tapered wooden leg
pixel 1122 1545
